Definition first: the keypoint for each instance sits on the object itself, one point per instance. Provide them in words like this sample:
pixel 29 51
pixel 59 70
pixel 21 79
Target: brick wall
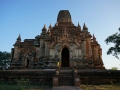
pixel 88 76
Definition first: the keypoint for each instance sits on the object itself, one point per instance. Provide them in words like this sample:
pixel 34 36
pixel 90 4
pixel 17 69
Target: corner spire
pixel 84 27
pixel 44 26
pixel 44 32
pixel 19 38
pixel 93 35
pixel 94 39
pixel 78 24
pixel 50 26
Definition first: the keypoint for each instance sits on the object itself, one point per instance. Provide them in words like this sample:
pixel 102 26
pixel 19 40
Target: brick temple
pixel 63 55
pixel 63 45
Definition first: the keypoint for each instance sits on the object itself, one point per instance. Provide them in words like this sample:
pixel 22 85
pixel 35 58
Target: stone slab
pixel 66 88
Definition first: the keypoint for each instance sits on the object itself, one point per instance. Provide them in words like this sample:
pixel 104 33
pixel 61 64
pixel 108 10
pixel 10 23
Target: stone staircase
pixel 66 88
pixel 65 77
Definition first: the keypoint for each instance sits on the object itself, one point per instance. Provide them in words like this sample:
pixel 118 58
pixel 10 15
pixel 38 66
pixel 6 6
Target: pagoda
pixel 63 45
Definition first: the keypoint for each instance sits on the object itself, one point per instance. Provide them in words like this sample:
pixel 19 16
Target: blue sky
pixel 27 17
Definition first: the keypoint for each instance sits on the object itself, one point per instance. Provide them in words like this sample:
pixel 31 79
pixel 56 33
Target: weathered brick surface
pixel 41 76
pixel 45 76
pixel 64 43
pixel 99 76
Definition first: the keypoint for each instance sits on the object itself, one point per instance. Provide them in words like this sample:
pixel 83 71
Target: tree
pixel 5 58
pixel 5 55
pixel 115 39
pixel 114 68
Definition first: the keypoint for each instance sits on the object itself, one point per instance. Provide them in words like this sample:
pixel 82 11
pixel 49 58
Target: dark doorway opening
pixel 65 57
pixel 27 63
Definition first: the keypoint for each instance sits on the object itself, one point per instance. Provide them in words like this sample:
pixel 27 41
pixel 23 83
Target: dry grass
pixel 100 87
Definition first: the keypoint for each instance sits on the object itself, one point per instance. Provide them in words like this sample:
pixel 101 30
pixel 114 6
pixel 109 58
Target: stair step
pixel 66 84
pixel 65 71
pixel 66 76
pixel 65 68
pixel 65 81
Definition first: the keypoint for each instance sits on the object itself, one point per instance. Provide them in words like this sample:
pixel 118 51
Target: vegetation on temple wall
pixel 115 39
pixel 5 58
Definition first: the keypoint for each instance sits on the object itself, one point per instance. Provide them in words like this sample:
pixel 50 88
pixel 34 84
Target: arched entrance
pixel 65 57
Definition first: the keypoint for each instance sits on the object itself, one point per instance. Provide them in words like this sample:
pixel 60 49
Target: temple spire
pixel 78 24
pixel 94 39
pixel 19 38
pixel 84 27
pixel 44 32
pixel 44 26
pixel 50 26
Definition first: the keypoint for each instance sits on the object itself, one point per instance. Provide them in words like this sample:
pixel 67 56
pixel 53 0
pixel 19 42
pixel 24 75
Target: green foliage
pixel 22 83
pixel 5 55
pixel 115 39
pixel 5 58
pixel 114 68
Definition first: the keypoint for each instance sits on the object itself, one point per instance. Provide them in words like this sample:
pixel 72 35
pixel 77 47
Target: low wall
pixel 99 76
pixel 45 76
pixel 41 76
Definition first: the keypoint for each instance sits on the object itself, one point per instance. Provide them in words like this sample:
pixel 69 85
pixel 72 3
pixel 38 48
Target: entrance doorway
pixel 27 63
pixel 65 57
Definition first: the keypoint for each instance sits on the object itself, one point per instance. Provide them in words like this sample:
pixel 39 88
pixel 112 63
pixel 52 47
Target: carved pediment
pixel 65 37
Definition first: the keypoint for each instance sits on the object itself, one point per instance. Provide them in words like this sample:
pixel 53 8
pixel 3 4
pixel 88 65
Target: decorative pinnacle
pixel 78 24
pixel 93 35
pixel 84 27
pixel 94 39
pixel 44 26
pixel 19 37
pixel 50 26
